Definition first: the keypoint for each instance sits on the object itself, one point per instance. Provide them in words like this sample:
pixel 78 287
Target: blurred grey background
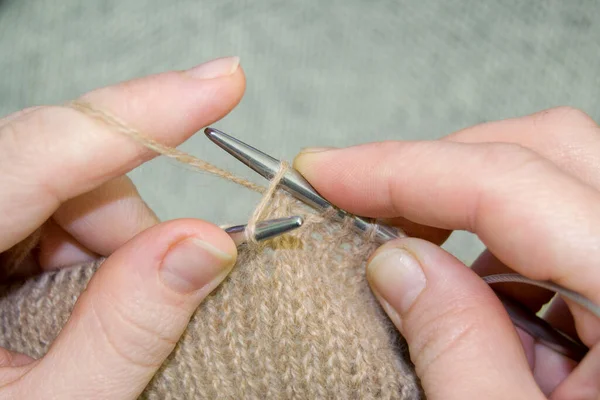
pixel 320 72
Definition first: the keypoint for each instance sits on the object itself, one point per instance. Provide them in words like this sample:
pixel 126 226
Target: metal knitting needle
pixel 293 182
pixel 298 186
pixel 265 229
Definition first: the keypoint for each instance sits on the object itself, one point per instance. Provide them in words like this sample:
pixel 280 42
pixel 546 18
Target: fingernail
pixel 315 149
pixel 303 160
pixel 215 68
pixel 192 264
pixel 396 275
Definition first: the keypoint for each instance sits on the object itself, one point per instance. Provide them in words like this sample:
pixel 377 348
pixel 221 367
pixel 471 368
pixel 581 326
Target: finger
pixel 107 217
pixel 58 249
pixel 535 218
pixel 532 297
pixel 54 154
pixel 583 382
pixel 568 317
pixel 567 137
pixel 132 314
pixel 551 368
pixel 460 339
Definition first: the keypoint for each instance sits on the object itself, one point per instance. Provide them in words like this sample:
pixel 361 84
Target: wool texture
pixel 295 319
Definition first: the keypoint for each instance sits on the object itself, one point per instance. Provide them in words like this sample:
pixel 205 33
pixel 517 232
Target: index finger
pixel 530 214
pixel 52 154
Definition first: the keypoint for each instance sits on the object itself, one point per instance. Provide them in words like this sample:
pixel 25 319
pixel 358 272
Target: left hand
pixel 64 171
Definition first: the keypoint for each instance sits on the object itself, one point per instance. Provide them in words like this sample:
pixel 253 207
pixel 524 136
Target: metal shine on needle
pixel 293 182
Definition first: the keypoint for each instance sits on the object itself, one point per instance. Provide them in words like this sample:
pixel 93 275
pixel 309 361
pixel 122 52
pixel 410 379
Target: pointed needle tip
pixel 210 132
pixel 277 227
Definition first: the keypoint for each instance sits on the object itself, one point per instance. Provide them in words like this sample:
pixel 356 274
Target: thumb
pixel 460 339
pixel 132 314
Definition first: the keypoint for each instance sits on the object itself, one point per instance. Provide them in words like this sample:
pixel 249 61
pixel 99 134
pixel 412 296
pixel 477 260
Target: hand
pixel 65 170
pixel 529 188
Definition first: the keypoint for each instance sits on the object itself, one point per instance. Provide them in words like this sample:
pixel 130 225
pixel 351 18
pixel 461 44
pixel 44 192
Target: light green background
pixel 320 73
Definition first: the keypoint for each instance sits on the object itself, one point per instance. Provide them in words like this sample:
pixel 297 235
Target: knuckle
pixel 508 167
pixel 23 146
pixel 443 337
pixel 505 163
pixel 513 159
pixel 28 140
pixel 37 119
pixel 564 116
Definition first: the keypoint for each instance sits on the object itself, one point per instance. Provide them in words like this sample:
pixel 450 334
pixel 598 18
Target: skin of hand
pixel 529 188
pixel 61 170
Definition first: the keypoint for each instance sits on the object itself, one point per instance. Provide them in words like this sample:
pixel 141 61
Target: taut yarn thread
pixel 120 126
pixel 295 319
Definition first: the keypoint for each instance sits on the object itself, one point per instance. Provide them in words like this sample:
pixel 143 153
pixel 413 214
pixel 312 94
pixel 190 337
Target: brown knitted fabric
pixel 294 320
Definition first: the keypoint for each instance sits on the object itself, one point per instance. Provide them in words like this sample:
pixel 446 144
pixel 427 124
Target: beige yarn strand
pixel 267 196
pixel 120 126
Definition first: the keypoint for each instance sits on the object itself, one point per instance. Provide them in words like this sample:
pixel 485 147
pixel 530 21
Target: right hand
pixel 529 188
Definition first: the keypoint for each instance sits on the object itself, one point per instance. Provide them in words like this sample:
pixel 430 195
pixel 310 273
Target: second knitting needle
pixel 265 229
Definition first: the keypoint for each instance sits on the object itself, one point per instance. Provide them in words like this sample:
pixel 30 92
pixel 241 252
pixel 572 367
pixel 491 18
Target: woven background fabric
pixel 333 73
